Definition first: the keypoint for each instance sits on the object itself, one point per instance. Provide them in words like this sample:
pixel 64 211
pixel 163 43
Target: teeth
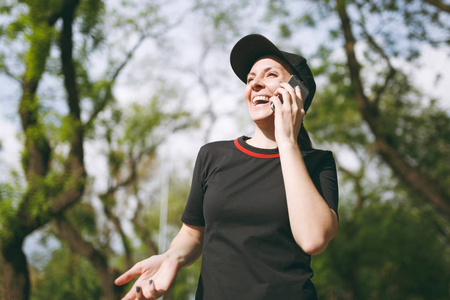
pixel 260 98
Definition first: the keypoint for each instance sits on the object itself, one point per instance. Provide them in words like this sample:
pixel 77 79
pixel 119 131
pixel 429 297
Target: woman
pixel 259 207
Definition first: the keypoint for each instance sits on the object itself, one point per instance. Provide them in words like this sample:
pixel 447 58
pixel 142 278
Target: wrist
pixel 288 145
pixel 174 259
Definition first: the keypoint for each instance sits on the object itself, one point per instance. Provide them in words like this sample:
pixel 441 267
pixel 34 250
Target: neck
pixel 264 139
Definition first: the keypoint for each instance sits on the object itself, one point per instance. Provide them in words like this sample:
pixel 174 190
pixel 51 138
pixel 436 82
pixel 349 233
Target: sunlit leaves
pixel 90 12
pixel 38 52
pixel 10 196
pixel 392 241
pixel 67 276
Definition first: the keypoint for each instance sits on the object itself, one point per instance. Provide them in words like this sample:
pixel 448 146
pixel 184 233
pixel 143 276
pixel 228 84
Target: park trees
pixel 56 44
pixel 389 133
pixel 372 107
pixel 368 108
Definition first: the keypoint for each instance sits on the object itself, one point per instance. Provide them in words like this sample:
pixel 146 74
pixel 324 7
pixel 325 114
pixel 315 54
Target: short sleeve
pixel 193 212
pixel 326 181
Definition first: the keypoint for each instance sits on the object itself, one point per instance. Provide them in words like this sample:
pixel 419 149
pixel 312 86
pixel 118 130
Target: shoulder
pixel 314 154
pixel 315 158
pixel 215 150
pixel 215 147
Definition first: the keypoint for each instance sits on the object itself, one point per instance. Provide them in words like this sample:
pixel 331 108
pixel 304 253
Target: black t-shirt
pixel 249 252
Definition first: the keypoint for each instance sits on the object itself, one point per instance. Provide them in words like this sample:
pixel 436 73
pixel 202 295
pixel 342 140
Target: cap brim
pixel 248 50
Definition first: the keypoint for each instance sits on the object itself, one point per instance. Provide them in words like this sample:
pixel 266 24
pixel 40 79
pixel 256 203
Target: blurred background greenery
pixel 104 105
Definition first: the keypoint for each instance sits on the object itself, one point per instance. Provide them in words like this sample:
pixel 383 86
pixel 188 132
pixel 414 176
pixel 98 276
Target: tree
pixel 409 167
pixel 385 251
pixel 366 105
pixel 398 121
pixel 384 235
pixel 66 276
pixel 131 152
pixel 58 40
pixel 371 81
pixel 368 108
pixel 48 193
pixel 74 33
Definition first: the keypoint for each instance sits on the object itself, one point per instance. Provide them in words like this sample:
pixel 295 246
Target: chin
pixel 260 115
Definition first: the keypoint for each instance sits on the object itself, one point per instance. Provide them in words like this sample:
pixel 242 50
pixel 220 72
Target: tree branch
pixel 72 191
pixel 391 73
pixel 356 178
pixel 413 177
pixel 108 89
pixel 37 154
pixel 201 77
pixel 74 182
pixel 416 179
pixel 11 75
pixel 438 4
pixel 96 258
pixel 353 65
pixel 76 242
pixel 108 200
pixel 76 155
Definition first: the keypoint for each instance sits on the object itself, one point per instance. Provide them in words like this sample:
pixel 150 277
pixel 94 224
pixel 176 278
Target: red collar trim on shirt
pixel 254 154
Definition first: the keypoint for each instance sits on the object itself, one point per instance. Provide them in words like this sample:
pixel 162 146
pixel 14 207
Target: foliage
pixel 384 251
pixel 385 227
pixel 185 284
pixel 67 275
pixel 58 42
pixel 9 198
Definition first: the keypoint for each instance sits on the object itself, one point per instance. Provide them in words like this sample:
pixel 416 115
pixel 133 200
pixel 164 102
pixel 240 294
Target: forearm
pixel 187 245
pixel 313 223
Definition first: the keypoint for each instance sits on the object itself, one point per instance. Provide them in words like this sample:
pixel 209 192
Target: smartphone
pixel 294 81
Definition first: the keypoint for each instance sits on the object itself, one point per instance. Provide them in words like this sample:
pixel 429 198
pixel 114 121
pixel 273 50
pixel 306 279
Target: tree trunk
pixel 110 291
pixel 418 181
pixel 15 277
pixel 439 4
pixel 98 260
pixel 32 212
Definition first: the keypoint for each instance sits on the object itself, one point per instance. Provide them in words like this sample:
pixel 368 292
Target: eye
pixel 272 74
pixel 249 80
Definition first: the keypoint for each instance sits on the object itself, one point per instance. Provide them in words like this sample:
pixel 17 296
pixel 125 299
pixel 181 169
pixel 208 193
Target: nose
pixel 257 83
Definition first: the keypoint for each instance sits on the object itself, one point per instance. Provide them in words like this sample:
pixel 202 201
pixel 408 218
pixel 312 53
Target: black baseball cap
pixel 252 47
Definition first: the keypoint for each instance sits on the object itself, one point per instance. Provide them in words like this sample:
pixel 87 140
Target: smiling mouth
pixel 258 100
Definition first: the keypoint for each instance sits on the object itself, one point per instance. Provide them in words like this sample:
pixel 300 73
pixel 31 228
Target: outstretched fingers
pixel 128 275
pixel 151 293
pixel 138 293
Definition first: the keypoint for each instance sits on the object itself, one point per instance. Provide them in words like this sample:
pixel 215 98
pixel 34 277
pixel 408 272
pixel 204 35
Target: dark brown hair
pixel 303 138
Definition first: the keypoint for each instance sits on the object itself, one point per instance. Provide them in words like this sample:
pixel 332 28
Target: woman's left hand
pixel 289 113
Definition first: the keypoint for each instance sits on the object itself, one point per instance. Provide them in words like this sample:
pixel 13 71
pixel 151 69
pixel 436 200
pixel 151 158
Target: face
pixel 262 81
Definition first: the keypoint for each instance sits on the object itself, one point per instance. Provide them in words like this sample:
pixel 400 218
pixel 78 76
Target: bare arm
pixel 187 245
pixel 313 223
pixel 158 272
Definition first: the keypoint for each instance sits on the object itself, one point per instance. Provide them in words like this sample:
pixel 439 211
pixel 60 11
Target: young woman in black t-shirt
pixel 259 206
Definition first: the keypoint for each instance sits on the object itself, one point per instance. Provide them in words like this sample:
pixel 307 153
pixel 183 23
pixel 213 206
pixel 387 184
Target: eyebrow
pixel 265 70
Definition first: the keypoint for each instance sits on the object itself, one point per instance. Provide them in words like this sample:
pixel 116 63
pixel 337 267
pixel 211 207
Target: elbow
pixel 315 239
pixel 313 247
pixel 315 244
